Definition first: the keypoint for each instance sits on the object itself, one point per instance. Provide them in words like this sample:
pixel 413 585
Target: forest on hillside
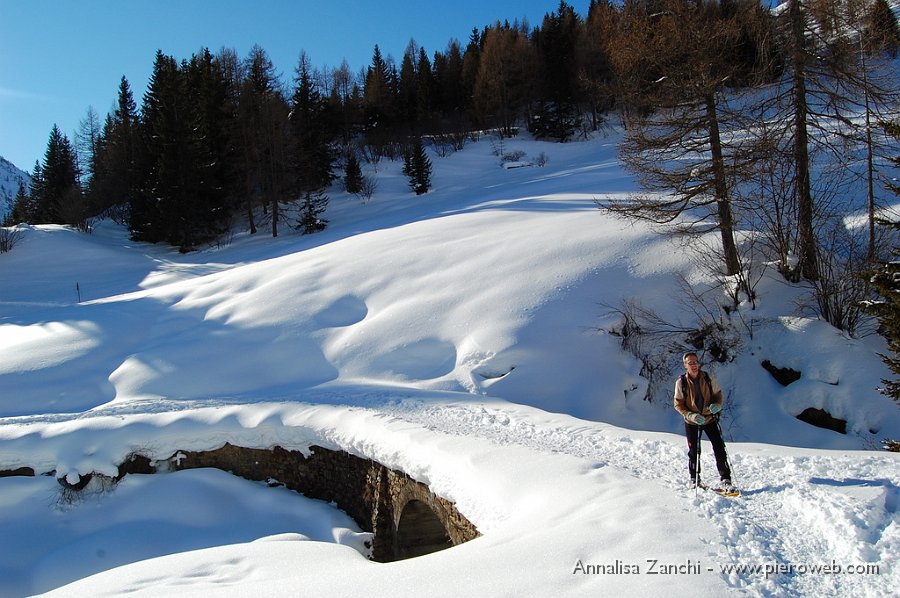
pixel 766 126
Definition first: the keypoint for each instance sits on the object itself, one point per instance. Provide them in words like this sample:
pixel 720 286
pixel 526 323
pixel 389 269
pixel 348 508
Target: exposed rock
pixel 784 376
pixel 135 464
pixel 21 471
pixel 822 419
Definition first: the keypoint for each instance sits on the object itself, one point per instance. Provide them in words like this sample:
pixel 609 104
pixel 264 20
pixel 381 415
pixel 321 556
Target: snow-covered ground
pixel 459 337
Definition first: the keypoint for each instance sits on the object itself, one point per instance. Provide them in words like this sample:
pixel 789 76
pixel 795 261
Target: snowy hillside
pixel 10 178
pixel 461 337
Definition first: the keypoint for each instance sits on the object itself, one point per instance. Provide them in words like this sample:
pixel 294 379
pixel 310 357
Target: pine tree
pixel 36 190
pixel 558 89
pixel 184 201
pixel 893 130
pixel 417 168
pixel 471 65
pixel 158 211
pixel 265 137
pixel 378 95
pixel 57 196
pixel 426 89
pixel 886 282
pixel 381 106
pixel 22 209
pixel 409 85
pixel 116 167
pixel 448 81
pixel 882 33
pixel 353 178
pixel 312 155
pixel 208 213
pixel 314 205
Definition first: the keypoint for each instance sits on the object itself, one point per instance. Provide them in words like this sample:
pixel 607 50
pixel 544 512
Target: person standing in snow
pixel 699 400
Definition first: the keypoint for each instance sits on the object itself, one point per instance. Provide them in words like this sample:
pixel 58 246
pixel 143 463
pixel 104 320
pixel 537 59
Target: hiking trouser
pixel 714 434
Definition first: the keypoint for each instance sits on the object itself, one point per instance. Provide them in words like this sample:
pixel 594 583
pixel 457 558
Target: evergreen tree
pixel 381 106
pixel 893 130
pixel 426 91
pixel 882 33
pixel 314 205
pixel 378 96
pixel 184 200
pixel 265 136
pixel 353 178
pixel 409 85
pixel 555 43
pixel 447 71
pixel 313 155
pixel 208 212
pixel 36 190
pixel 158 212
pixel 22 208
pixel 471 66
pixel 57 195
pixel 116 168
pixel 886 282
pixel 417 168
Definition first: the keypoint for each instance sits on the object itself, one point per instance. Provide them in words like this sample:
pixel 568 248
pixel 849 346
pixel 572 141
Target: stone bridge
pixel 405 516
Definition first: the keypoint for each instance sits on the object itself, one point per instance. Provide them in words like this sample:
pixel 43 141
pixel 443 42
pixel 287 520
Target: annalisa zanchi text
pixel 689 567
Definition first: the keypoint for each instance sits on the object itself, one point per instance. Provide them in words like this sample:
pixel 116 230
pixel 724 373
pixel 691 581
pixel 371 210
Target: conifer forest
pixel 767 125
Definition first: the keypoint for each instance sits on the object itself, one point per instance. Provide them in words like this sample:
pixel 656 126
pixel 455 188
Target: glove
pixel 715 408
pixel 696 418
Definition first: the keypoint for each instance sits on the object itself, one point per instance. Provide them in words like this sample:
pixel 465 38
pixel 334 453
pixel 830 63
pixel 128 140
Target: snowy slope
pixel 454 336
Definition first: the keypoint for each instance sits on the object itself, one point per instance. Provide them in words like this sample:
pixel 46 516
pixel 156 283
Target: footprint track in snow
pixel 795 512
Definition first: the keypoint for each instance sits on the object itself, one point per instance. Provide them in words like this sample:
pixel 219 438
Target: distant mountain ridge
pixel 10 178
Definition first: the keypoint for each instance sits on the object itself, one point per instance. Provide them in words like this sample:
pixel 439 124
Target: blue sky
pixel 57 57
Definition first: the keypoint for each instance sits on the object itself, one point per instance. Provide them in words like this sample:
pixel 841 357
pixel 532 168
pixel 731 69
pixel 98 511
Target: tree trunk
pixel 723 202
pixel 274 217
pixel 808 261
pixel 870 165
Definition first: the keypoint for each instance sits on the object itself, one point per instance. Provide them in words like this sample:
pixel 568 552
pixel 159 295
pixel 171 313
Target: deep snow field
pixel 461 337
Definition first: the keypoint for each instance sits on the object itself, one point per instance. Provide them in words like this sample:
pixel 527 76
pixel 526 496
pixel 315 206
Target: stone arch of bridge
pixel 405 517
pixel 419 531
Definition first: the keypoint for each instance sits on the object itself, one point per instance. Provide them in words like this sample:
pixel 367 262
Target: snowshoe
pixel 727 489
